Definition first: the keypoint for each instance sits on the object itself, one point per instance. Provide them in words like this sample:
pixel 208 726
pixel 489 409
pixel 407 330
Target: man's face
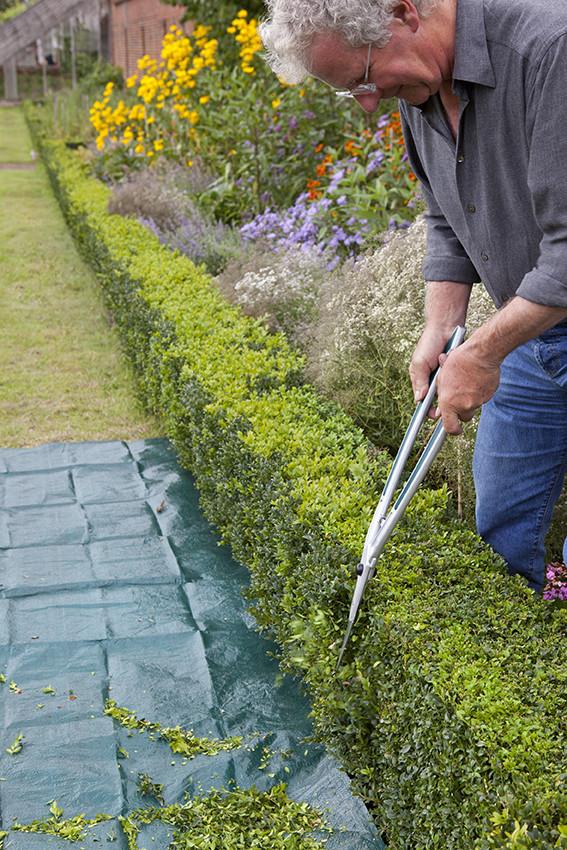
pixel 407 67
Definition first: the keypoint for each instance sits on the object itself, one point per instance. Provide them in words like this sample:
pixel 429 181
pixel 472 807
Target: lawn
pixel 15 142
pixel 62 374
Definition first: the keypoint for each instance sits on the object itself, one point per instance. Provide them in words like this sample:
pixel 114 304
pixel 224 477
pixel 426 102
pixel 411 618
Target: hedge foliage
pixel 449 712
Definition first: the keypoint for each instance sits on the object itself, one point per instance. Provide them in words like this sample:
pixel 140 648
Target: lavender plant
pixel 162 197
pixel 164 193
pixel 211 243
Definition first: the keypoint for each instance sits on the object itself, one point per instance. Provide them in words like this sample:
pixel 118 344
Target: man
pixel 482 88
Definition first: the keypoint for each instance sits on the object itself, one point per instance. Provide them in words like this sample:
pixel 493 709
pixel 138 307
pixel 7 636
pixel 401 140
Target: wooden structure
pixel 35 24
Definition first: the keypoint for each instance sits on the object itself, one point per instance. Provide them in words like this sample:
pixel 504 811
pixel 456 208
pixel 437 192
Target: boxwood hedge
pixel 449 712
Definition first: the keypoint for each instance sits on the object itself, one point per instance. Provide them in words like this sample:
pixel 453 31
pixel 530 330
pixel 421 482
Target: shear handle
pixel 406 446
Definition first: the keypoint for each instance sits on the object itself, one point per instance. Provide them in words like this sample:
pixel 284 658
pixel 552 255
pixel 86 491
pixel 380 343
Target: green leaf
pixel 16 746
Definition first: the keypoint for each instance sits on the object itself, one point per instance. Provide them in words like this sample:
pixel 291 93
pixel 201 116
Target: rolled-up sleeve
pixel 546 283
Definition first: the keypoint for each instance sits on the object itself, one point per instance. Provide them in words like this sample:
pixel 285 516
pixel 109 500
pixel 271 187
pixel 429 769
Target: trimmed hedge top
pixel 450 710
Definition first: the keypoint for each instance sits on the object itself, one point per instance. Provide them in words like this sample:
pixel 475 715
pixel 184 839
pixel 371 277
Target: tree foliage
pixel 6 4
pixel 214 11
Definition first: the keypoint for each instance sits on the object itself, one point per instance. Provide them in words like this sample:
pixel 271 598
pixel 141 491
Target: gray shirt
pixel 497 197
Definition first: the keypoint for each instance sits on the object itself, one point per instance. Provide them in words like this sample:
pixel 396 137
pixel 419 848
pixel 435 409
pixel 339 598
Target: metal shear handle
pixel 384 522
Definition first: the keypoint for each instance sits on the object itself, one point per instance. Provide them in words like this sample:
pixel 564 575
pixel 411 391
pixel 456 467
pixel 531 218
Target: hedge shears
pixel 384 520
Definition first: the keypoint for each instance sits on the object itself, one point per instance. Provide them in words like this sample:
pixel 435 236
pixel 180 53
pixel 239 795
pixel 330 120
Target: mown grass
pixel 62 374
pixel 15 142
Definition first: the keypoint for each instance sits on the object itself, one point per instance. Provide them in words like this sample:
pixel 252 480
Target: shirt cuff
pixel 457 269
pixel 543 289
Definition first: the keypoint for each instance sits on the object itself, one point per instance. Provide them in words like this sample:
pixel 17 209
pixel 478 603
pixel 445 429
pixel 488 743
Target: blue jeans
pixel 520 456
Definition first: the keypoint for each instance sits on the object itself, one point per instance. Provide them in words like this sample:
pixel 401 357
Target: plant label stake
pixel 384 521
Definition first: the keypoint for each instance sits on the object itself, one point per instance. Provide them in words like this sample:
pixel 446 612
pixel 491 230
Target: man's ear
pixel 406 14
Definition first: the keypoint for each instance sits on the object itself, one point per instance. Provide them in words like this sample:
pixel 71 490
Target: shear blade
pixel 345 642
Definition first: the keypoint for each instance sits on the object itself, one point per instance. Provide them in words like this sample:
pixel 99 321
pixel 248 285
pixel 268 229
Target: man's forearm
pixel 515 323
pixel 446 304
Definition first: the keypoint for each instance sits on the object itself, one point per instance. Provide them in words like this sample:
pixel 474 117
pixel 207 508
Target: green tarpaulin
pixel 114 586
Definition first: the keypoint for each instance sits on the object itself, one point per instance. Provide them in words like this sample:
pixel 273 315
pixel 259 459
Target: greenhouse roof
pixel 35 22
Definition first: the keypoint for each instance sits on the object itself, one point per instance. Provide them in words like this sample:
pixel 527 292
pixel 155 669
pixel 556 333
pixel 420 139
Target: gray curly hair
pixel 288 32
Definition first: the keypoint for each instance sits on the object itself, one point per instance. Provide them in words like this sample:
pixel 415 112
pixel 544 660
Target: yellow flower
pixel 131 81
pixel 158 145
pixel 200 31
pixel 137 112
pixel 246 34
pixel 139 149
pixel 204 99
pixel 276 103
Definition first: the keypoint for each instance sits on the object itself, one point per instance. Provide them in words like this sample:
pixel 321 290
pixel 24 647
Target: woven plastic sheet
pixel 114 586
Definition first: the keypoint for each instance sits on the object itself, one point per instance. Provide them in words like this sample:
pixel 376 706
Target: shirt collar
pixel 472 59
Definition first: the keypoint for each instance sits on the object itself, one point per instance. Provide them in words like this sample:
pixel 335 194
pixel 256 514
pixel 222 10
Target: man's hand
pixel 471 373
pixel 445 308
pixel 464 383
pixel 426 359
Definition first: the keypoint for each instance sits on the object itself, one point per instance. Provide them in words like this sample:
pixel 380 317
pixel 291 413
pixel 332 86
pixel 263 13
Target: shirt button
pixel 484 257
pixel 461 157
pixel 471 208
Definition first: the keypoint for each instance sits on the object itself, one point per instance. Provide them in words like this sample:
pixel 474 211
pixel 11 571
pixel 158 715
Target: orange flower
pixel 393 135
pixel 312 192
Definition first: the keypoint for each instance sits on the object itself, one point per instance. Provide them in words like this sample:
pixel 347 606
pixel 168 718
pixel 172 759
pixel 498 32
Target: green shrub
pixel 449 711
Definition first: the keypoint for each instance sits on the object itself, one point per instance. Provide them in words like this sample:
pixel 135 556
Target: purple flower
pixel 556 587
pixel 375 162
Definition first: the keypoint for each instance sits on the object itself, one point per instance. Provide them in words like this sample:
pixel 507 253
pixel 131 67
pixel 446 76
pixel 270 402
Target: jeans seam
pixel 537 346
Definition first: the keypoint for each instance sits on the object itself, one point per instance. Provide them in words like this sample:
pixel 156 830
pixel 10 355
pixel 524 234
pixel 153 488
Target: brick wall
pixel 137 27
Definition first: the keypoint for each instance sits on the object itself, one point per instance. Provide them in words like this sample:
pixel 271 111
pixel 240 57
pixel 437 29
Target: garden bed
pixel 449 711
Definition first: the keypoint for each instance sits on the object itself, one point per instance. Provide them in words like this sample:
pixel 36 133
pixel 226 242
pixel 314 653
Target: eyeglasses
pixel 361 88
